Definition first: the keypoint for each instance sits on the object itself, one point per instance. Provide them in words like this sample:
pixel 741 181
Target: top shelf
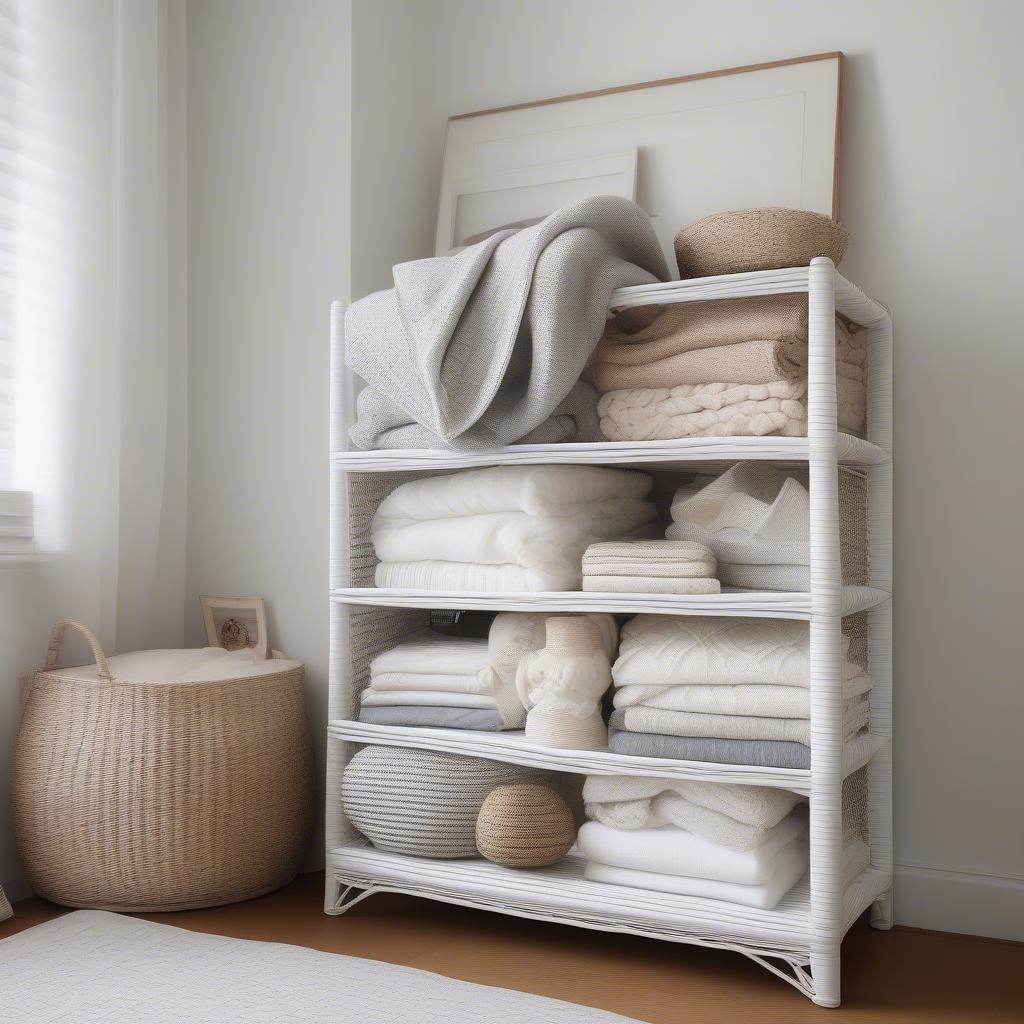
pixel 682 453
pixel 851 302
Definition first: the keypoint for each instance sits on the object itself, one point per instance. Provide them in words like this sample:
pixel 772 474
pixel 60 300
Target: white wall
pixel 931 155
pixel 268 197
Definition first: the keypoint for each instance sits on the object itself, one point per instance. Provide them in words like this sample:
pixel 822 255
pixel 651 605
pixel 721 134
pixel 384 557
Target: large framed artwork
pixel 762 135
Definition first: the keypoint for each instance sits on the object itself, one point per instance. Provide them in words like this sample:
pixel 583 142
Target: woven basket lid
pixel 741 241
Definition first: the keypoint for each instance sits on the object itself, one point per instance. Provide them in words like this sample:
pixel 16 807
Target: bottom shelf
pixel 561 893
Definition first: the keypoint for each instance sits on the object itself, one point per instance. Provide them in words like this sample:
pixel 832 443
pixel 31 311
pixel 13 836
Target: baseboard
pixel 960 901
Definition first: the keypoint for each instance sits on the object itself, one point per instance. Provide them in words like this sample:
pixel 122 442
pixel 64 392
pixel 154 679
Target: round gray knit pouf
pixel 421 803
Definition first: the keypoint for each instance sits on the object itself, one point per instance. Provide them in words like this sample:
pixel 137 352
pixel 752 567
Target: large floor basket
pixel 149 796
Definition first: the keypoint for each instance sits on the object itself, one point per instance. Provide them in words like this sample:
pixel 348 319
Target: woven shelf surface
pixel 515 748
pixel 560 892
pixel 745 603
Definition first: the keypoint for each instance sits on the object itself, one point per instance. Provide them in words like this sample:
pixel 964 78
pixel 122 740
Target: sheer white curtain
pixel 92 433
pixel 92 377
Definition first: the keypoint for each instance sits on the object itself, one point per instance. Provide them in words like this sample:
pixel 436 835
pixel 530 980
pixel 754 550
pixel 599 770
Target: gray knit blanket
pixel 485 347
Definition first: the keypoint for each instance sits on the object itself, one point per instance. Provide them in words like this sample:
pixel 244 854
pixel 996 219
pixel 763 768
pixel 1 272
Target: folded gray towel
pixel 764 753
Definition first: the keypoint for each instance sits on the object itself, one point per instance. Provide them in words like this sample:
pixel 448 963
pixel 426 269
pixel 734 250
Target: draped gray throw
pixel 485 347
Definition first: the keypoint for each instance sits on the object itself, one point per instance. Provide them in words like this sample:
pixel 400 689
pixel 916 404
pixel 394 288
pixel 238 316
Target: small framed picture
pixel 235 623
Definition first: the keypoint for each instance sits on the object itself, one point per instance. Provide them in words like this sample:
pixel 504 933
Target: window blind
pixel 15 185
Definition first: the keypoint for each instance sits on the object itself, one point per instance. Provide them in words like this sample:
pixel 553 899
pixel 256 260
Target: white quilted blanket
pixel 505 527
pixel 658 650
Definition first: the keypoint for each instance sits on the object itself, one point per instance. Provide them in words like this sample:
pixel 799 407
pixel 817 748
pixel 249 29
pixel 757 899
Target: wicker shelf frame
pixel 800 940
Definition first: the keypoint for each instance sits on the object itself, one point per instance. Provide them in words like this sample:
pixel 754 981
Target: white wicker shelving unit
pixel 800 939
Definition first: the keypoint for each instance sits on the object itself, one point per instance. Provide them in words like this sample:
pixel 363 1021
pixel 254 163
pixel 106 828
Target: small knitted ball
pixel 524 826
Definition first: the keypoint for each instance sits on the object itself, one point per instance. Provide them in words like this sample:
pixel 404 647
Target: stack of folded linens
pixel 755 519
pixel 431 680
pixel 650 567
pixel 743 844
pixel 505 528
pixel 449 682
pixel 726 367
pixel 723 690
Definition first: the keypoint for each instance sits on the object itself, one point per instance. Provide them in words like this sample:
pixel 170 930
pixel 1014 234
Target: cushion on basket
pixel 195 665
pixel 419 802
pixel 740 241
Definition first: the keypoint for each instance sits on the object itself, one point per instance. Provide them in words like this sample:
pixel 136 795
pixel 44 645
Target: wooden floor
pixel 888 977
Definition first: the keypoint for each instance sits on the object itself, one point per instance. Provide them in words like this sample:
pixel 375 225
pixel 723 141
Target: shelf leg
pixel 882 912
pixel 826 974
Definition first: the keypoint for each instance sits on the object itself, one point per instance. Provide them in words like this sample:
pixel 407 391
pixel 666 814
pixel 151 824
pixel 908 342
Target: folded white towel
pixel 765 700
pixel 730 815
pixel 505 527
pixel 673 851
pixel 667 651
pixel 425 698
pixel 428 652
pixel 787 868
pixel 732 727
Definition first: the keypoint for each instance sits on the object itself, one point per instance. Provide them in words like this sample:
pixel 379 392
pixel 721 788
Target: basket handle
pixel 57 638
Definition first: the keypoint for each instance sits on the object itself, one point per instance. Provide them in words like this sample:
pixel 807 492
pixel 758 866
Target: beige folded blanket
pixel 732 727
pixel 747 362
pixel 670 558
pixel 656 332
pixel 720 410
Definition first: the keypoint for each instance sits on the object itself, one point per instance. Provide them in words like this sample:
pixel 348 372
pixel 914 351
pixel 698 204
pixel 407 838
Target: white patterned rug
pixel 94 966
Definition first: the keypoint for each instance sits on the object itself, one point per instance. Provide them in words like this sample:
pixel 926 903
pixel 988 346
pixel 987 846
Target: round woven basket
pixel 160 796
pixel 740 241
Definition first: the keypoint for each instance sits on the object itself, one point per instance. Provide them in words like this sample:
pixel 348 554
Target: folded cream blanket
pixel 479 347
pixel 416 716
pixel 513 636
pixel 425 698
pixel 720 410
pixel 659 650
pixel 674 851
pixel 642 718
pixel 748 362
pixel 649 585
pixel 730 815
pixel 787 868
pixel 505 527
pixel 648 558
pixel 765 700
